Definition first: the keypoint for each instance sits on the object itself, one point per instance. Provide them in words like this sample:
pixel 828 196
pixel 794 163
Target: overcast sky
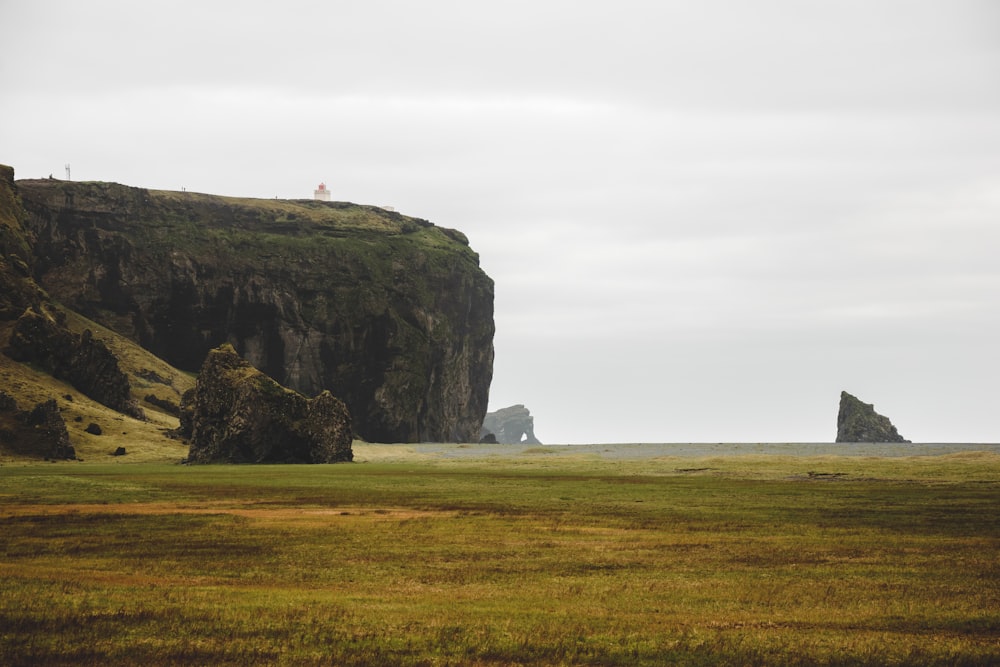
pixel 704 219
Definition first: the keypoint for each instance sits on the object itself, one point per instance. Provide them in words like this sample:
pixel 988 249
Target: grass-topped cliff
pixel 390 313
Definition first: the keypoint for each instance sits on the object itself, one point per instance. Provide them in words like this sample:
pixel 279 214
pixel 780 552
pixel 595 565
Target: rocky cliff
pixel 236 414
pixel 389 313
pixel 17 287
pixel 857 421
pixel 510 425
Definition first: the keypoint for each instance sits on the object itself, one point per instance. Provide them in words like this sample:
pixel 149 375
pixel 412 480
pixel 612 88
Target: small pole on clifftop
pixel 67 172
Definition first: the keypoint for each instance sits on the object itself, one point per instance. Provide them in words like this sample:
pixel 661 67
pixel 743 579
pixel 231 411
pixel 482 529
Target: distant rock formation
pixel 236 414
pixel 858 422
pixel 510 426
pixel 80 359
pixel 40 432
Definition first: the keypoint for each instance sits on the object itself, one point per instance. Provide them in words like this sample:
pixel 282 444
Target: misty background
pixel 704 219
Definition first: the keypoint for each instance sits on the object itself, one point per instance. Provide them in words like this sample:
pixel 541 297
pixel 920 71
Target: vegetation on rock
pixel 36 433
pixel 17 288
pixel 82 360
pixel 236 414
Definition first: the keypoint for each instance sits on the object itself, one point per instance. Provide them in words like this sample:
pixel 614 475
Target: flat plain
pixel 462 555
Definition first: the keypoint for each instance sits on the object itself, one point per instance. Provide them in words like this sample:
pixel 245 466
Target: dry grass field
pixel 406 558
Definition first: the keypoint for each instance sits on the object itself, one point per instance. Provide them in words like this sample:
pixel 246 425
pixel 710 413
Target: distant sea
pixel 705 449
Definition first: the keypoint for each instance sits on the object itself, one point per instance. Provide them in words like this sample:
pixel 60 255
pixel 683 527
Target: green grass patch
pixel 521 559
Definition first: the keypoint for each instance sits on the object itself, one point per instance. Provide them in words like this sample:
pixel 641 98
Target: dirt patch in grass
pixel 113 578
pixel 269 513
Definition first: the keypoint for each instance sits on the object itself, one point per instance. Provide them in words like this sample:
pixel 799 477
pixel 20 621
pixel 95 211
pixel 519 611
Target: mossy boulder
pixel 37 433
pixel 236 414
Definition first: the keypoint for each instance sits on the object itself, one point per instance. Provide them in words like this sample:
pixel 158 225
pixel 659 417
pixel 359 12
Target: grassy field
pixel 526 559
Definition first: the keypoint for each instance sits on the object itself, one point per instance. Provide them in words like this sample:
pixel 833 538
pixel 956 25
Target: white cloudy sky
pixel 704 219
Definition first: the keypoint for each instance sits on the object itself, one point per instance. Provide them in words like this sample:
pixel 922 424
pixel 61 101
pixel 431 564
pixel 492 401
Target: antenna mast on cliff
pixel 67 172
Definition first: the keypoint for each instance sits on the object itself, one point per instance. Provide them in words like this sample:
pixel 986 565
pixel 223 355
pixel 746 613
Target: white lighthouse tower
pixel 321 193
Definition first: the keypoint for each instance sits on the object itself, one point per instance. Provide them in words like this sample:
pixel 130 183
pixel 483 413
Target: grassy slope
pixel 521 559
pixel 144 441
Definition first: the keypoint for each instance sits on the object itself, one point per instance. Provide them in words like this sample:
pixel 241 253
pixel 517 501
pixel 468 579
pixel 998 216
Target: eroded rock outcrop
pixel 510 425
pixel 858 422
pixel 390 313
pixel 236 414
pixel 39 432
pixel 80 359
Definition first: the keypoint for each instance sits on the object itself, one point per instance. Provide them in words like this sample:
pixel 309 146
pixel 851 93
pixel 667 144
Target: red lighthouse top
pixel 322 186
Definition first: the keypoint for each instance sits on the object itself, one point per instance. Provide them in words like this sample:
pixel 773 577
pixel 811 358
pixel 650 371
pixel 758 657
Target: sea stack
pixel 510 426
pixel 857 421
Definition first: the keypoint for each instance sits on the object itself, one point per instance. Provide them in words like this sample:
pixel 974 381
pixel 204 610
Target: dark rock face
pixel 17 288
pixel 858 422
pixel 81 360
pixel 510 426
pixel 390 313
pixel 236 414
pixel 39 432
